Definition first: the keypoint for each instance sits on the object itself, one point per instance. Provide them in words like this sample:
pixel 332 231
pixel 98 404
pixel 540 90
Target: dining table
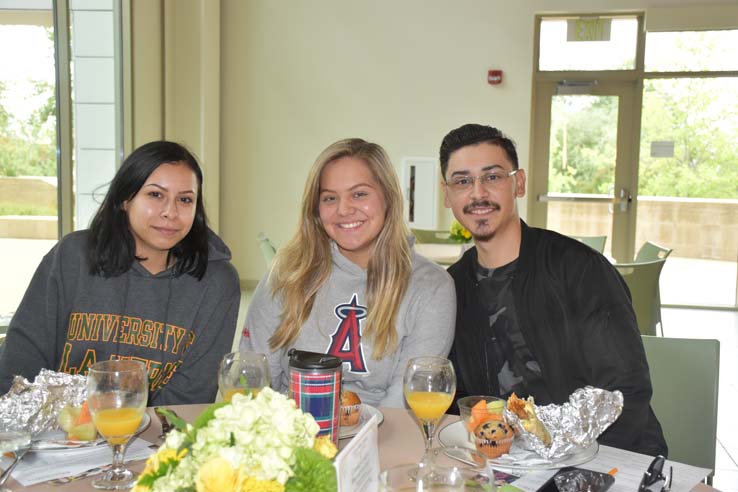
pixel 399 440
pixel 443 254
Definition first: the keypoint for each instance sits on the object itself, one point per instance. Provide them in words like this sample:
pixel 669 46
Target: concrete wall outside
pixel 28 226
pixel 693 228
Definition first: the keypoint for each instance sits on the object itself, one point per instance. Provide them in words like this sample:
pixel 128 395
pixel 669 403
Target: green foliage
pixel 582 144
pixel 28 147
pixel 313 473
pixel 16 209
pixel 699 115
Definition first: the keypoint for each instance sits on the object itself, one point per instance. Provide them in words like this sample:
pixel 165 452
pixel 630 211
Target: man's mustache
pixel 480 204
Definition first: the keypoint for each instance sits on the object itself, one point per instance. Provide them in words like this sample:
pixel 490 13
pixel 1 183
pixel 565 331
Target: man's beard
pixel 481 237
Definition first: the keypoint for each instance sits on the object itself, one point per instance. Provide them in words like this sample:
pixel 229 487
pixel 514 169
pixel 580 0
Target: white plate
pixel 455 434
pixel 366 413
pixel 55 440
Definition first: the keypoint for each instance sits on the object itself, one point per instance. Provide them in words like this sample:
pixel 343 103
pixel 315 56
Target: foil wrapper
pixel 33 407
pixel 573 426
pixel 582 481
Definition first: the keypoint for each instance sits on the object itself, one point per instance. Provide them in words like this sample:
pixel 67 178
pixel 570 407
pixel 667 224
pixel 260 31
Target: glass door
pixel 688 186
pixel 582 130
pixel 60 136
pixel 28 163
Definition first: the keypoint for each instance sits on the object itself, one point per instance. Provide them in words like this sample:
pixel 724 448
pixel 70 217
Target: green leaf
pixel 313 473
pixel 208 415
pixel 173 418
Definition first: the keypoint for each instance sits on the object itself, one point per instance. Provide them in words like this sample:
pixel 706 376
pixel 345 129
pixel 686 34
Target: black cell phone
pixel 571 479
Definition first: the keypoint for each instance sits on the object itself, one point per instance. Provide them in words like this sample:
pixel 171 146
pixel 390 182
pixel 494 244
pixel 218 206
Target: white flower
pixel 256 435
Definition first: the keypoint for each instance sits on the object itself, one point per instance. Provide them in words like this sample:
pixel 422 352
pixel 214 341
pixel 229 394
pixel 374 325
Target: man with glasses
pixel 537 313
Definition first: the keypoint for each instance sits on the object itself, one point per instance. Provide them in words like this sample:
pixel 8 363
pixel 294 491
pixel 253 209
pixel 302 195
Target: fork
pixel 166 426
pixel 18 456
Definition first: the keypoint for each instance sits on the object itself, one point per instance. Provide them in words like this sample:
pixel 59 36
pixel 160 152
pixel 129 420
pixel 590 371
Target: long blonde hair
pixel 304 264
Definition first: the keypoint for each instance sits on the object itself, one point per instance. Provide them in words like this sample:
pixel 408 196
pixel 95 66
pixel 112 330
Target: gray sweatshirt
pixel 425 326
pixel 179 326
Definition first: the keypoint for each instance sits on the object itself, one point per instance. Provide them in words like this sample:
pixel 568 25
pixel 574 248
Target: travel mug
pixel 315 385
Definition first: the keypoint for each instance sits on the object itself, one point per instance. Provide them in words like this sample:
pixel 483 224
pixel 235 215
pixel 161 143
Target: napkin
pixel 42 466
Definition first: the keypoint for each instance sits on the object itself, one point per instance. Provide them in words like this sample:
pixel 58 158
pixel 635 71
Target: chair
pixel 597 243
pixel 268 250
pixel 684 376
pixel 652 251
pixel 243 306
pixel 643 281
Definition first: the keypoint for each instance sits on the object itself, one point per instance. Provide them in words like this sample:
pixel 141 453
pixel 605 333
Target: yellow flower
pixel 162 456
pixel 458 232
pixel 217 475
pixel 140 488
pixel 253 485
pixel 325 446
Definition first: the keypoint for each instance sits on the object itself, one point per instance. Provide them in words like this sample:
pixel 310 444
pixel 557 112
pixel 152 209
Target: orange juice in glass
pixel 429 384
pixel 117 425
pixel 429 405
pixel 229 392
pixel 243 372
pixel 117 393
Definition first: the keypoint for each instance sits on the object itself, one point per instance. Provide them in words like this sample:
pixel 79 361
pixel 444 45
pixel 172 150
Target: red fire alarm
pixel 494 77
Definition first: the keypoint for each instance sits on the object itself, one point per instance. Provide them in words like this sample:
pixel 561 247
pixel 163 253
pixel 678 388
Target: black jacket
pixel 575 313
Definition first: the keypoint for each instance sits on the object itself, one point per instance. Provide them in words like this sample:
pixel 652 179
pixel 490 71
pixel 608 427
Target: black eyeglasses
pixel 654 479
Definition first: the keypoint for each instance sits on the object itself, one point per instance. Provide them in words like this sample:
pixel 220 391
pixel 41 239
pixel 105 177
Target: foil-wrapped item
pixel 33 407
pixel 582 481
pixel 573 426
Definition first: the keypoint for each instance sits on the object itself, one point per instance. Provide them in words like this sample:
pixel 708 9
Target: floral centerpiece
pixel 458 232
pixel 252 444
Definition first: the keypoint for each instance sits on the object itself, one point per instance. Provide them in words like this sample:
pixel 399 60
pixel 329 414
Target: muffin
pixel 478 409
pixel 493 438
pixel 350 408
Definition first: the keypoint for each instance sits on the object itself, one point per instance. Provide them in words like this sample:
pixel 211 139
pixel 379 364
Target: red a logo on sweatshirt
pixel 346 340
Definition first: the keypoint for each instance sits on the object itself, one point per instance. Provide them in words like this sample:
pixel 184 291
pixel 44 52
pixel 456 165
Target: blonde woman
pixel 349 283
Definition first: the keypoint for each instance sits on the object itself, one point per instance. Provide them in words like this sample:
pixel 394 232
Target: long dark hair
pixel 111 247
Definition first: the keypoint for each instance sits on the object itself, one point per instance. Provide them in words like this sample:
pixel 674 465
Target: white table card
pixel 357 465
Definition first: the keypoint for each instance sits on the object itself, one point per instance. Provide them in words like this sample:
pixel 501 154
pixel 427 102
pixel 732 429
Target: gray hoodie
pixel 179 326
pixel 425 326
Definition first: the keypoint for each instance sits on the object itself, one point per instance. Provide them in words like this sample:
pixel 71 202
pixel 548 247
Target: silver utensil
pixel 18 456
pixel 166 426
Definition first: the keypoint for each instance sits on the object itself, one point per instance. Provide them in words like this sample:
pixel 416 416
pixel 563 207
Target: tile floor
pixel 723 326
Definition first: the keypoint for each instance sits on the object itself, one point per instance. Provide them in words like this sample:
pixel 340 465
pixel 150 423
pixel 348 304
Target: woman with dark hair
pixel 148 281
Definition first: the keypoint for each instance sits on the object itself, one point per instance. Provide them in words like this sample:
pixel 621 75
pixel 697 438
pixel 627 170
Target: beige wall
pixel 300 75
pixel 297 75
pixel 175 83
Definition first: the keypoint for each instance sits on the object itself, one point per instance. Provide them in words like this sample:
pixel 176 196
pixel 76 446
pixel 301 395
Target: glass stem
pixel 119 468
pixel 428 430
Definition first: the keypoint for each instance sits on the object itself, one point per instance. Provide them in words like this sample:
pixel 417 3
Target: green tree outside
pixel 699 115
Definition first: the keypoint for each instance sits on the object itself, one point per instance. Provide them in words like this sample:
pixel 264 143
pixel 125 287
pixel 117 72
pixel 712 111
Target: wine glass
pixel 430 476
pixel 430 386
pixel 17 443
pixel 117 392
pixel 242 372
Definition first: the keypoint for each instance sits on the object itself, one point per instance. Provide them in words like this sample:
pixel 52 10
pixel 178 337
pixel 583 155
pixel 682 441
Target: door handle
pixel 623 200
